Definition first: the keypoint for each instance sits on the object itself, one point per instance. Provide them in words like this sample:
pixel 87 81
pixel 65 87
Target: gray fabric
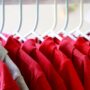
pixel 21 83
pixel 13 69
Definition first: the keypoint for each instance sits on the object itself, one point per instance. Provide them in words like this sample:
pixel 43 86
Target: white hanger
pixel 3 21
pixel 51 31
pixel 77 29
pixel 36 24
pixel 20 25
pixel 63 30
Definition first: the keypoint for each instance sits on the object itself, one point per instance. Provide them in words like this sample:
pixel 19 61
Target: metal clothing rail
pixel 41 1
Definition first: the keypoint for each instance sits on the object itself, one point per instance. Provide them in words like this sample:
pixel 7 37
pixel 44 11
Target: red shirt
pixel 80 61
pixel 83 46
pixel 31 71
pixel 62 64
pixel 6 80
pixel 52 76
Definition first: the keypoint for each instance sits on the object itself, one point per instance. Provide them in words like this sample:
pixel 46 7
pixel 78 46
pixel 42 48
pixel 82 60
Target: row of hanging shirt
pixel 60 62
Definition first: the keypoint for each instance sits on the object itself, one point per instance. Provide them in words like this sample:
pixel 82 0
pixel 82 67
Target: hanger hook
pixel 36 21
pixel 55 16
pixel 3 15
pixel 55 20
pixel 81 22
pixel 81 14
pixel 66 17
pixel 81 17
pixel 20 24
pixel 37 15
pixel 63 29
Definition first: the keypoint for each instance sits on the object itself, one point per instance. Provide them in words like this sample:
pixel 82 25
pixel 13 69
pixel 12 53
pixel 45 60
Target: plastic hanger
pixel 77 29
pixel 36 24
pixel 51 31
pixel 20 25
pixel 63 29
pixel 3 21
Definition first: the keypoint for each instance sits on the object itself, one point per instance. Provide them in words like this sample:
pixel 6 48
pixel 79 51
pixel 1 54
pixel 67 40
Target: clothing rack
pixel 57 60
pixel 41 1
pixel 37 16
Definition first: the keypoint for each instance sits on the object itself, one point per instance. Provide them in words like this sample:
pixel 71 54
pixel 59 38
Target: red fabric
pixel 3 42
pixel 31 71
pixel 52 76
pixel 62 64
pixel 80 61
pixel 83 46
pixel 6 80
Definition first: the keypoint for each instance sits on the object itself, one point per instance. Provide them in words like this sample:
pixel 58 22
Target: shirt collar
pixel 12 45
pixel 67 46
pixel 83 45
pixel 48 46
pixel 29 45
pixel 80 41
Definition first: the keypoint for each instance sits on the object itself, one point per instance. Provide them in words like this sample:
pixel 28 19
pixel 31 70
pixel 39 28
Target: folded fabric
pixel 13 69
pixel 62 64
pixel 31 71
pixel 6 80
pixel 55 81
pixel 80 61
pixel 83 45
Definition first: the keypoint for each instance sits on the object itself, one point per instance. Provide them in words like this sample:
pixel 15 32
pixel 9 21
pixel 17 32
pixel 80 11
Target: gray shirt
pixel 13 68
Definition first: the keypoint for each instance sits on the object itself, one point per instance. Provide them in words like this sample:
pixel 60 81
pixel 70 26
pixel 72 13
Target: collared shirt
pixel 80 61
pixel 83 46
pixel 31 71
pixel 62 64
pixel 6 80
pixel 53 77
